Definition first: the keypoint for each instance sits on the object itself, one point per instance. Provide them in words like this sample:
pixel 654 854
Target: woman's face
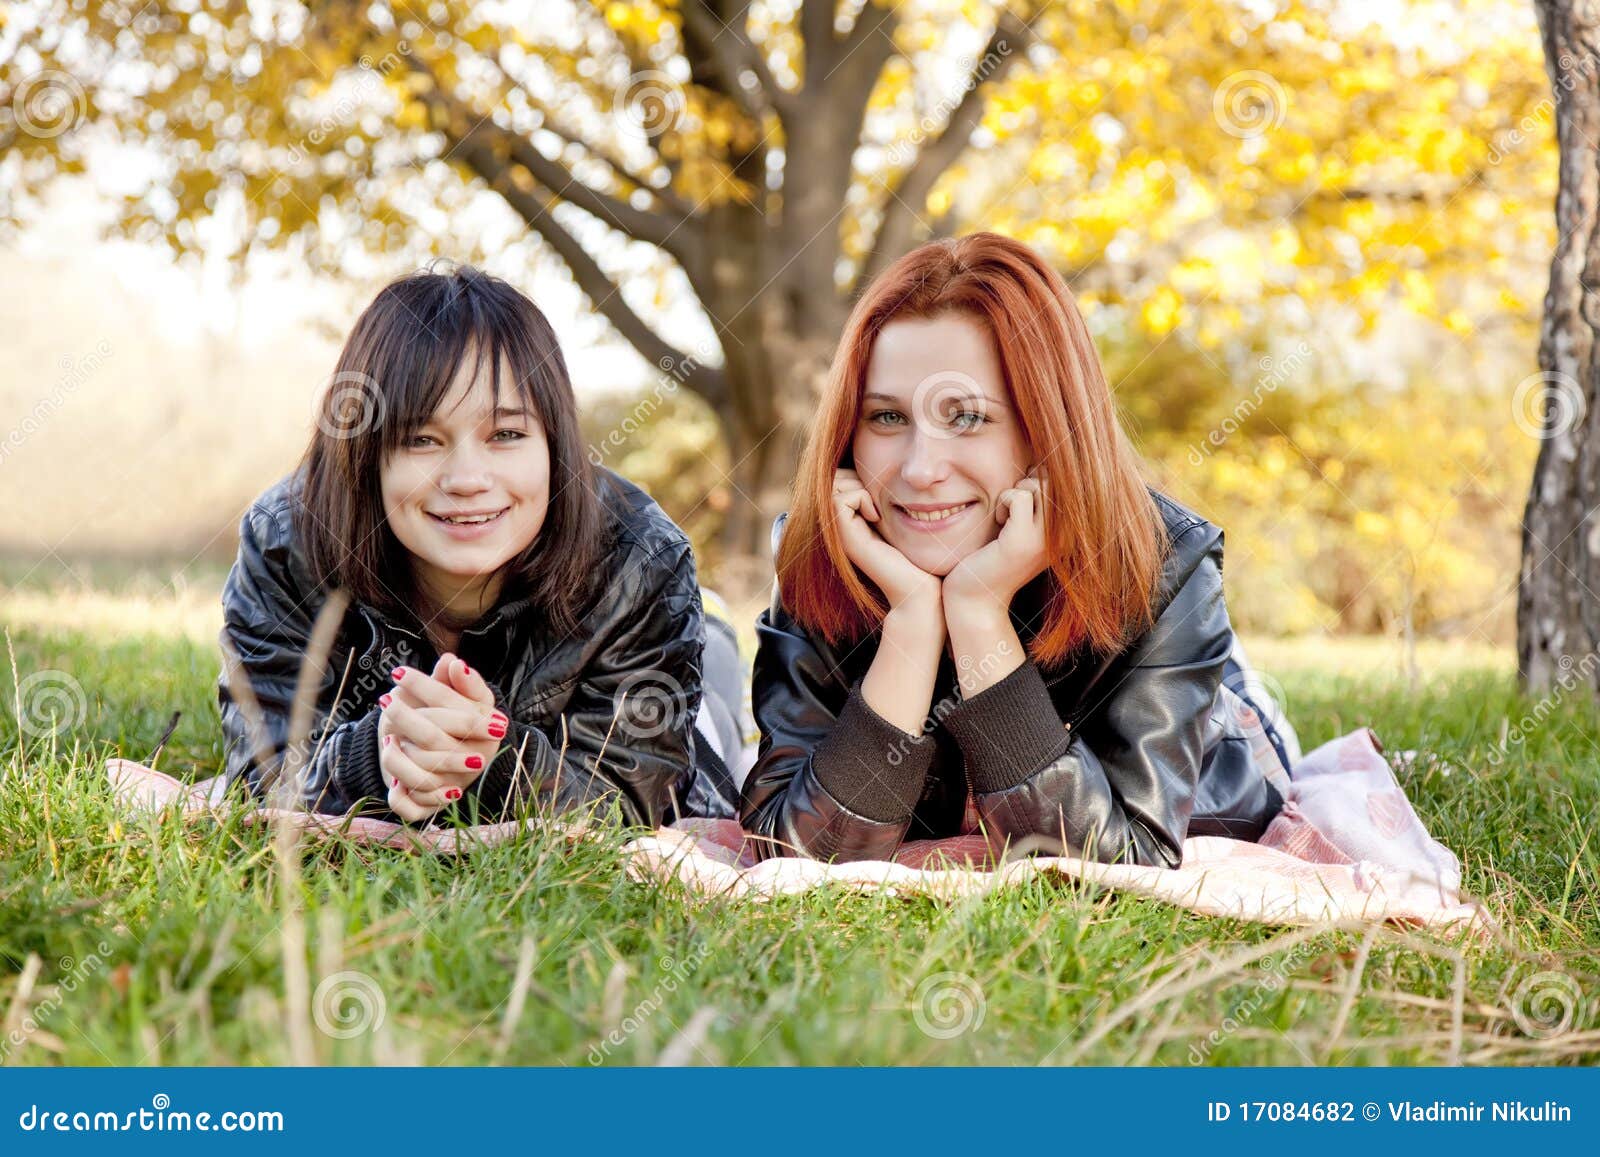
pixel 467 492
pixel 938 438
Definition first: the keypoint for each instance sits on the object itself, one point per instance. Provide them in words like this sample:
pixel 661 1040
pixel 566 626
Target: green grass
pixel 146 941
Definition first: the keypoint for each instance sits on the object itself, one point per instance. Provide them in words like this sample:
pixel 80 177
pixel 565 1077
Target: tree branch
pixel 734 52
pixel 482 147
pixel 902 212
pixel 822 47
pixel 668 199
pixel 677 234
pixel 863 53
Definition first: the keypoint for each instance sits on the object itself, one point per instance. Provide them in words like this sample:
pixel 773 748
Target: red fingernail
pixel 397 674
pixel 466 668
pixel 497 730
pixel 474 762
pixel 499 715
pixel 453 793
pixel 385 700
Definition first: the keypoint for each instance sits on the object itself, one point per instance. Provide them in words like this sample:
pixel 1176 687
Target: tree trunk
pixel 1558 604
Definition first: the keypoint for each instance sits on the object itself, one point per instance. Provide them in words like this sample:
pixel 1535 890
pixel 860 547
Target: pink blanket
pixel 1347 846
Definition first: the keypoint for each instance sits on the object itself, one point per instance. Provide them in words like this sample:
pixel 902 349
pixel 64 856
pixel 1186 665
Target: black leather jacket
pixel 642 635
pixel 1119 755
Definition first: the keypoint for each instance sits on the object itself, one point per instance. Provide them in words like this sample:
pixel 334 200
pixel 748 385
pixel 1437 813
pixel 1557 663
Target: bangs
pixel 463 326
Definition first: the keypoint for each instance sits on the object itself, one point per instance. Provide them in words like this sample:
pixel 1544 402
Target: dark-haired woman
pixel 985 621
pixel 522 627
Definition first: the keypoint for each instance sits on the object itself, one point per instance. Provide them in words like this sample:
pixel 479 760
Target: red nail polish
pixel 385 700
pixel 499 716
pixel 497 731
pixel 474 762
pixel 466 669
pixel 397 674
pixel 453 793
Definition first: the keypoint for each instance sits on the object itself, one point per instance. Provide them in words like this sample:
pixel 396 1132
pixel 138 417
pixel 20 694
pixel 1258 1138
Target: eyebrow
pixel 891 398
pixel 501 414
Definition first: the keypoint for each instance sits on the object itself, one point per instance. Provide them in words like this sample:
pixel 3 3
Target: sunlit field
pixel 150 941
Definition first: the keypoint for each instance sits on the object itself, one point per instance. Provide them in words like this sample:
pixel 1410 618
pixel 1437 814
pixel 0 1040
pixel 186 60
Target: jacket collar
pixel 496 618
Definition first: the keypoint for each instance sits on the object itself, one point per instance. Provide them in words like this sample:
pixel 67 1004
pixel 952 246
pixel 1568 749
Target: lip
pixel 468 531
pixel 903 511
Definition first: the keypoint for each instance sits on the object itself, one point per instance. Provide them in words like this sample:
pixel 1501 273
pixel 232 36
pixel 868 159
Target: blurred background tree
pixel 1309 235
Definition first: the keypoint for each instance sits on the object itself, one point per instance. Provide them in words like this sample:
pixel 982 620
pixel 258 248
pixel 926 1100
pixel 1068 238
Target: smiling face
pixel 467 492
pixel 938 438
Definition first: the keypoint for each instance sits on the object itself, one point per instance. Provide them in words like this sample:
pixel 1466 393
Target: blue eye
pixel 883 417
pixel 968 420
pixel 515 434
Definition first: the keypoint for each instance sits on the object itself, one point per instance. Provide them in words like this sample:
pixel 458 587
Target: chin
pixel 934 559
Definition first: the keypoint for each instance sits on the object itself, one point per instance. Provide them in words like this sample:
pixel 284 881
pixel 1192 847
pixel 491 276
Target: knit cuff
pixel 503 785
pixel 357 774
pixel 1008 731
pixel 870 766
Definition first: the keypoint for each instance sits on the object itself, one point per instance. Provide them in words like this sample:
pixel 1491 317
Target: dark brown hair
pixel 1105 535
pixel 396 367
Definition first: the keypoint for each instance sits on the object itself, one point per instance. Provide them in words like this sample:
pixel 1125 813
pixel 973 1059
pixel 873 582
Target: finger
pixel 434 800
pixel 426 691
pixel 401 803
pixel 419 725
pixel 457 765
pixel 844 476
pixel 469 683
pixel 474 726
pixel 1002 506
pixel 870 512
pixel 394 759
pixel 1022 506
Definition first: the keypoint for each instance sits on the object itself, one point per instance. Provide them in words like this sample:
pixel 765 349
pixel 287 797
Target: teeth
pixel 472 521
pixel 935 515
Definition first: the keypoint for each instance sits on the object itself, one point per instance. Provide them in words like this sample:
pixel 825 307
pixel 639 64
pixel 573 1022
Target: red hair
pixel 1105 537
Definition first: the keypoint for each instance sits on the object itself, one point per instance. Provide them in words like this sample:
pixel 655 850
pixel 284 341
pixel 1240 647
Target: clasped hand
pixel 436 734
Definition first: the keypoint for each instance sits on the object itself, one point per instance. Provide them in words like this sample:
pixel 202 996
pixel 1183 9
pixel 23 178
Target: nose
pixel 466 470
pixel 926 462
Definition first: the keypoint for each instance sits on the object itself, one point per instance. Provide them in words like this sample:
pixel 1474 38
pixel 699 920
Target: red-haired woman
pixel 985 619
